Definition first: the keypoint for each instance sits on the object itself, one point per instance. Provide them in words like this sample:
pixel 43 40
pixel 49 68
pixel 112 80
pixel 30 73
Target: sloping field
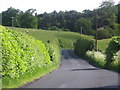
pixel 66 40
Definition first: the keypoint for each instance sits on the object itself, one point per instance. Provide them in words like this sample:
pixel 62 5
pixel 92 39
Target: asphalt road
pixel 75 72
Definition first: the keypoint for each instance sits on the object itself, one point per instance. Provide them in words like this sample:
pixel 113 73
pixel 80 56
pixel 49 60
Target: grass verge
pixel 9 82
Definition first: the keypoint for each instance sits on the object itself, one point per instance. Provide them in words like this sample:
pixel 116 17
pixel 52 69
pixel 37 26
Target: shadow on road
pixel 85 69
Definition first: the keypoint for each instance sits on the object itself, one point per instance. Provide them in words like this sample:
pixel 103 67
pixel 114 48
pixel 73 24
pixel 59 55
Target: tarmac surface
pixel 75 72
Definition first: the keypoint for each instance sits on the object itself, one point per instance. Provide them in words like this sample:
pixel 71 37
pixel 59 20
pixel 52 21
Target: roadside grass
pixel 10 82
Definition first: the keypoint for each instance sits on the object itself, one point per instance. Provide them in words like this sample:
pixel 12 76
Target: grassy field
pixel 103 44
pixel 65 40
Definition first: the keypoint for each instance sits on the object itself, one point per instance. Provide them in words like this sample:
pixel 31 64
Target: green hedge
pixel 83 45
pixel 110 59
pixel 113 48
pixel 113 54
pixel 25 58
pixel 54 53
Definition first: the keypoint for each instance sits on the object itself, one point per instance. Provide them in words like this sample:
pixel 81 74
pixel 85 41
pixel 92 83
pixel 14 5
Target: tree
pixel 28 20
pixel 106 4
pixel 87 14
pixel 103 33
pixel 107 13
pixel 11 16
pixel 83 24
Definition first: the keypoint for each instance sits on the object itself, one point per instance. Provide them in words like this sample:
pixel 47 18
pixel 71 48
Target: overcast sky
pixel 50 5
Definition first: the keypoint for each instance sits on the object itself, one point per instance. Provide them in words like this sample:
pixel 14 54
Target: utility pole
pixel 96 41
pixel 81 30
pixel 12 21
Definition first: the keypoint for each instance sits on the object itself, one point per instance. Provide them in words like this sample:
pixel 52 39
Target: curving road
pixel 75 72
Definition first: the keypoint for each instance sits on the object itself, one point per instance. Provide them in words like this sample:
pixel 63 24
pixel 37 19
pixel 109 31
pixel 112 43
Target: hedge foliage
pixel 24 58
pixel 83 45
pixel 113 54
pixel 54 53
pixel 113 48
pixel 110 59
pixel 20 53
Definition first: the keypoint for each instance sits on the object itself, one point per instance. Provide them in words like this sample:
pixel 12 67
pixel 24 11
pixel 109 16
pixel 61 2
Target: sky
pixel 50 5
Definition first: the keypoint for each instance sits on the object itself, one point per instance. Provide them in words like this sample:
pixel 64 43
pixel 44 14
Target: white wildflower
pixel 117 56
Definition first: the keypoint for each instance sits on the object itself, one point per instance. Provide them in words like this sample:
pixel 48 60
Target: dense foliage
pixel 83 22
pixel 15 17
pixel 110 59
pixel 54 52
pixel 113 48
pixel 103 33
pixel 97 58
pixel 21 53
pixel 23 56
pixel 84 26
pixel 115 64
pixel 31 20
pixel 83 45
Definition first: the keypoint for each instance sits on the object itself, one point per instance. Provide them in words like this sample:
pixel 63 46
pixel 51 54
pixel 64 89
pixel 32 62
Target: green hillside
pixel 65 40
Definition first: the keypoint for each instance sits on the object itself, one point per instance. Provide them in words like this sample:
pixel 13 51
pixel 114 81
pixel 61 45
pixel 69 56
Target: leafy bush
pixel 113 54
pixel 54 53
pixel 20 53
pixel 115 65
pixel 25 58
pixel 83 45
pixel 97 58
pixel 115 29
pixel 103 33
pixel 113 48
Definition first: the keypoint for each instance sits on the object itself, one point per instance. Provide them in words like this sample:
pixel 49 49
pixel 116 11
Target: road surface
pixel 75 72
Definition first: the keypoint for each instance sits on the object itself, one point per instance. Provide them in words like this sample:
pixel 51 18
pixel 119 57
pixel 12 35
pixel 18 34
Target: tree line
pixel 106 18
